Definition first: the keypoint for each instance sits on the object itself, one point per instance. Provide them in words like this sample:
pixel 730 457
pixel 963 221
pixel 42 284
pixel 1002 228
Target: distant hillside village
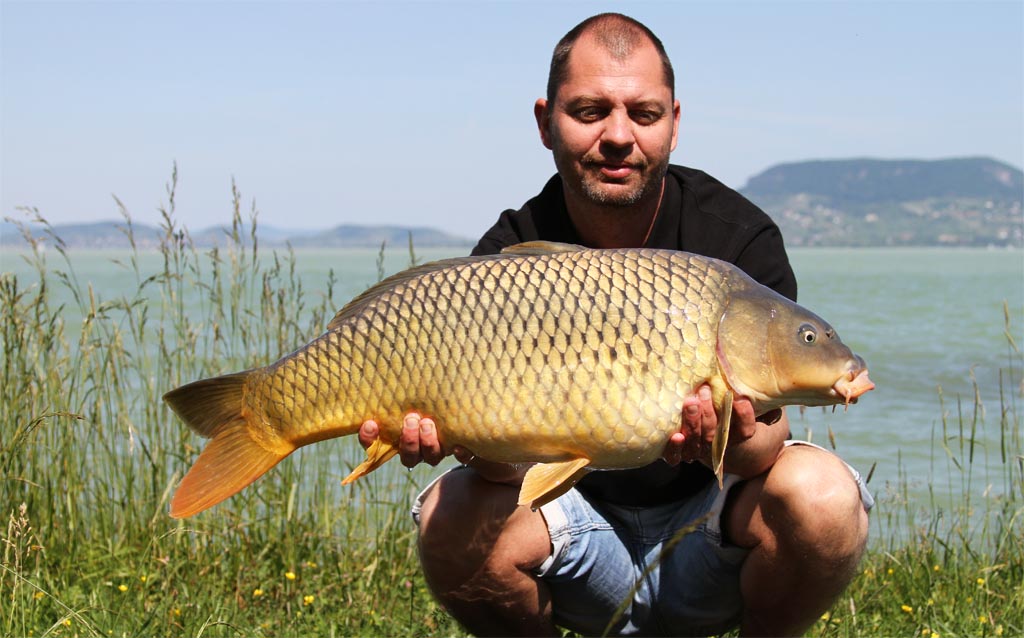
pixel 953 202
pixel 849 203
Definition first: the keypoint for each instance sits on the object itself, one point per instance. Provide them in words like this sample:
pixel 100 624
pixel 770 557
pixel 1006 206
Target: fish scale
pixel 573 358
pixel 544 343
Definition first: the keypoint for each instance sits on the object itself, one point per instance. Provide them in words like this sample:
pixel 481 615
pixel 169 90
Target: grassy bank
pixel 89 456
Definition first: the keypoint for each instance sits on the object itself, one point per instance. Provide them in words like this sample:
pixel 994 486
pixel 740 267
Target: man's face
pixel 612 126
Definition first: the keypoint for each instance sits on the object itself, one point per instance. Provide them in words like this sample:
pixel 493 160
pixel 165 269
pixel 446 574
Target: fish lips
pixel 854 383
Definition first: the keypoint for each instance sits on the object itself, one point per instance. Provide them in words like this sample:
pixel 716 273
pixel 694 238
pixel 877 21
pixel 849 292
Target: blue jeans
pixel 662 570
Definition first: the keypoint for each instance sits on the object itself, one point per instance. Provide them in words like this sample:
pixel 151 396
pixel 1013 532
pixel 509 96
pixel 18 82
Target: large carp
pixel 572 358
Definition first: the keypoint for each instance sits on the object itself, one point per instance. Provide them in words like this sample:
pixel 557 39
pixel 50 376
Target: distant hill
pixel 870 202
pixel 111 234
pixel 844 202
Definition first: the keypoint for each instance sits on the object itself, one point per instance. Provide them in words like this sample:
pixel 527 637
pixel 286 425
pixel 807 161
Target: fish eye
pixel 808 334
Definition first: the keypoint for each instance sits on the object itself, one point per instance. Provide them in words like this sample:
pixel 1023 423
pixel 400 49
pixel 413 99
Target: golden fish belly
pixel 516 359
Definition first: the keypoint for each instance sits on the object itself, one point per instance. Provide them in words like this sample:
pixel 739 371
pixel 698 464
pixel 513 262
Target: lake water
pixel 924 319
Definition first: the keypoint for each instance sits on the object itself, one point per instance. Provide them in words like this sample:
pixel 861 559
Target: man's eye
pixel 645 117
pixel 589 114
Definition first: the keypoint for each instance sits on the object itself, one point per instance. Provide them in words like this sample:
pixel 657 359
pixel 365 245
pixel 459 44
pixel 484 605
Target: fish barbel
pixel 570 358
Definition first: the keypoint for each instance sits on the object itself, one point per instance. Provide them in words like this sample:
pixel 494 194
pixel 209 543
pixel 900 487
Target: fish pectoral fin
pixel 545 482
pixel 718 444
pixel 379 453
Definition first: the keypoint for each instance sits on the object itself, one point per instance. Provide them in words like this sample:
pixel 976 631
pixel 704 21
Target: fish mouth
pixel 854 383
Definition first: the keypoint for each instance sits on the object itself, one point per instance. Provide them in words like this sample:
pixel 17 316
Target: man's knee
pixel 469 525
pixel 812 496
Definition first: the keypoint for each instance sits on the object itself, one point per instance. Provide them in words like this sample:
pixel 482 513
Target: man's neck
pixel 614 226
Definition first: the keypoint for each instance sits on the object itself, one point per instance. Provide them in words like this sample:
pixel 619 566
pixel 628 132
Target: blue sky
pixel 420 113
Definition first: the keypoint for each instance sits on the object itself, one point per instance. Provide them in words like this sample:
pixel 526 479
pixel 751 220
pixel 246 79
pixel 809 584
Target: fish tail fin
pixel 234 457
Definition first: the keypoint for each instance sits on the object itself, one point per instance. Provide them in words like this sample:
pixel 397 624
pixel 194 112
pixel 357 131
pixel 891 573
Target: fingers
pixel 368 432
pixel 744 421
pixel 673 454
pixel 417 441
pixel 708 417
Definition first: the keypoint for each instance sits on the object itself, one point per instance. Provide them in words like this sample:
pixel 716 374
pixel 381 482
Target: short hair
pixel 619 34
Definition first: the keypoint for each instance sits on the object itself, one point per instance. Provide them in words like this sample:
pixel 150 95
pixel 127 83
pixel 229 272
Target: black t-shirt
pixel 698 214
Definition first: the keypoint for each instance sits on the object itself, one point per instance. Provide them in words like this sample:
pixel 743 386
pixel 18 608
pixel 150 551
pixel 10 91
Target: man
pixel 776 546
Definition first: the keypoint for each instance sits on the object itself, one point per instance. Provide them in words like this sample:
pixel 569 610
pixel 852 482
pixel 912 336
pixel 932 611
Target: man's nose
pixel 618 129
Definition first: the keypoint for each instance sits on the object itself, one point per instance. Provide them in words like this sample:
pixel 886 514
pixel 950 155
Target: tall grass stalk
pixel 90 456
pixel 956 566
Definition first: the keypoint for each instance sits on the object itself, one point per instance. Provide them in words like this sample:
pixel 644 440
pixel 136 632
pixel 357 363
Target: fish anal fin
pixel 379 453
pixel 229 462
pixel 545 482
pixel 721 440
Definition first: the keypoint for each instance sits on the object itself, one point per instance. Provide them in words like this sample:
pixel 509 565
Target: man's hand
pixel 417 443
pixel 693 441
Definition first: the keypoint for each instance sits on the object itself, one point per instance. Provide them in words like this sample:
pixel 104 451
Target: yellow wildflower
pixel 308 600
pixel 256 593
pixel 310 564
pixel 289 575
pixel 122 587
pixel 907 609
pixel 177 611
pixel 39 595
pixel 889 571
pixel 981 582
pixel 983 619
pixel 934 635
pixel 143 578
pixel 936 568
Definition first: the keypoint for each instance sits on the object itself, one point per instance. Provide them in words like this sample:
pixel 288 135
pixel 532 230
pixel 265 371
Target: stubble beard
pixel 587 182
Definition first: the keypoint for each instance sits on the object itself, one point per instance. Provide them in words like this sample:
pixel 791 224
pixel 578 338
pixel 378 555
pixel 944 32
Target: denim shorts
pixel 662 570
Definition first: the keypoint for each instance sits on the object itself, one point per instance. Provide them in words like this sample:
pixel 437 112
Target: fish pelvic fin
pixel 545 482
pixel 721 440
pixel 234 458
pixel 379 453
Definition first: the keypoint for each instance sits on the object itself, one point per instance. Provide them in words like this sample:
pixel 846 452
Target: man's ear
pixel 543 116
pixel 676 111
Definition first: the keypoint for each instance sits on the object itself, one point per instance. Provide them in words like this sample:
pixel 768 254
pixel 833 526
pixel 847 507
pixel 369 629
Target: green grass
pixel 89 456
pixel 954 567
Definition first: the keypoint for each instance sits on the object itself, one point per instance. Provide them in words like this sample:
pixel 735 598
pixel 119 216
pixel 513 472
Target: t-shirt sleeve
pixel 764 258
pixel 510 229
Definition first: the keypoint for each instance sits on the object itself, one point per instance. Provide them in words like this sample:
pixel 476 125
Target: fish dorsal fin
pixel 545 482
pixel 721 439
pixel 370 294
pixel 541 248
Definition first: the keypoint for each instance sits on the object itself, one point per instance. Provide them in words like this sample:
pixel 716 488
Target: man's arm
pixel 753 445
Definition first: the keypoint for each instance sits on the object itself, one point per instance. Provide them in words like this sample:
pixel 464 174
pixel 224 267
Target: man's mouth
pixel 614 171
pixel 617 171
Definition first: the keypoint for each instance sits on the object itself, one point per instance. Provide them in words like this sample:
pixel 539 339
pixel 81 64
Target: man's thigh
pixel 638 570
